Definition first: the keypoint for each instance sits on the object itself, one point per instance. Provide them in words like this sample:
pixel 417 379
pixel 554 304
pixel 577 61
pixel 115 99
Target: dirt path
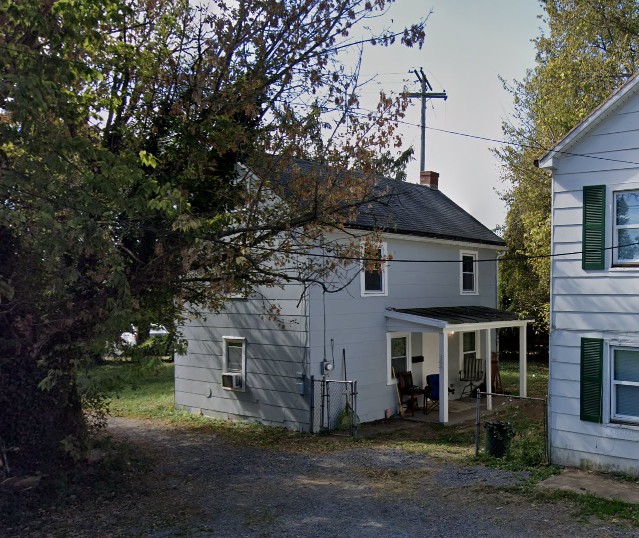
pixel 200 485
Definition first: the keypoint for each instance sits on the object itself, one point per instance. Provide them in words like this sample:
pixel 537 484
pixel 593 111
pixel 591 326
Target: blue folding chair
pixel 432 385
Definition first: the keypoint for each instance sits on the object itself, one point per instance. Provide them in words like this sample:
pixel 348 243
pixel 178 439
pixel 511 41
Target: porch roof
pixel 458 318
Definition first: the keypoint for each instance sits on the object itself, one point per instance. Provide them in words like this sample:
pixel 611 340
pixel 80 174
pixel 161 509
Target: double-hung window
pixel 623 368
pixel 468 276
pixel 624 404
pixel 469 346
pixel 398 353
pixel 374 275
pixel 626 228
pixel 233 363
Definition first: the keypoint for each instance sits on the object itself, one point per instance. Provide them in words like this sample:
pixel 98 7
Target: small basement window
pixel 234 363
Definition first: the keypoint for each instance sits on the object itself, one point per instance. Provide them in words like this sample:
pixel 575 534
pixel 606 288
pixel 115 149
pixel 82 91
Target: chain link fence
pixel 516 428
pixel 334 406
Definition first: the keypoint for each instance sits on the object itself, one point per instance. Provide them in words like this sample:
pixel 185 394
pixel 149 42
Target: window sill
pixel 625 268
pixel 374 294
pixel 623 424
pixel 469 293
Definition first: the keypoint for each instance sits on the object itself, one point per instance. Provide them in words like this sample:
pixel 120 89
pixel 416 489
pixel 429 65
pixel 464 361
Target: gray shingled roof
pixel 414 209
pixel 461 314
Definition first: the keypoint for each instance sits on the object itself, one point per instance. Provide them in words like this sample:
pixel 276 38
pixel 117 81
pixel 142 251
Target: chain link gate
pixel 516 428
pixel 334 406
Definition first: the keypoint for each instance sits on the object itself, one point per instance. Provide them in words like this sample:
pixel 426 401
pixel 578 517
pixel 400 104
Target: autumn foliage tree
pixel 140 144
pixel 589 49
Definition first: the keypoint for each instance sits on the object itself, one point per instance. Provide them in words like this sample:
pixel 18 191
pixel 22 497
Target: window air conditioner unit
pixel 232 381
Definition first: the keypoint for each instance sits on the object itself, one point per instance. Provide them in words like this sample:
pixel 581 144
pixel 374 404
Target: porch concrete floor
pixel 459 411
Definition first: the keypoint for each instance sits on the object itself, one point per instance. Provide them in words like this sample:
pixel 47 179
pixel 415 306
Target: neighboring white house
pixel 423 317
pixel 594 308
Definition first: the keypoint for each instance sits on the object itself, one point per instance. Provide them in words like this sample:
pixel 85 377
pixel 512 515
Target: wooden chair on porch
pixel 407 389
pixel 472 374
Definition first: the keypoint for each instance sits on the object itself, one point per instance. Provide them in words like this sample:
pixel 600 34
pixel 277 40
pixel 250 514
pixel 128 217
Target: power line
pixel 365 112
pixel 409 260
pixel 507 142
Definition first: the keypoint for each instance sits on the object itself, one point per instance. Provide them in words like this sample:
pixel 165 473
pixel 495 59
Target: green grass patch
pixel 588 506
pixel 537 379
pixel 148 396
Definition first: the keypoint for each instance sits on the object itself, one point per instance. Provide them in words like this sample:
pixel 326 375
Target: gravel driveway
pixel 203 486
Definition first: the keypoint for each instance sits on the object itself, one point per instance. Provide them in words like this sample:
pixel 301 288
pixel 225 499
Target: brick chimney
pixel 430 179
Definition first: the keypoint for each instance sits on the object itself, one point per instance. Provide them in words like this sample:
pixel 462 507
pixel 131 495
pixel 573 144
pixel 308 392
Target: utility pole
pixel 426 93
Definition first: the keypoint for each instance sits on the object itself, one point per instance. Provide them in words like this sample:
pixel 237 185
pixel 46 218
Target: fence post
pixel 547 430
pixel 477 417
pixel 322 393
pixel 328 405
pixel 312 421
pixel 354 401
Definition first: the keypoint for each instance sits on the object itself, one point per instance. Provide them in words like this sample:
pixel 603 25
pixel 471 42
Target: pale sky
pixel 469 43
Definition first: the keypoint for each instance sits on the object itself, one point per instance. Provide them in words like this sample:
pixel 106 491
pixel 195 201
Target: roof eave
pixel 549 160
pixel 498 243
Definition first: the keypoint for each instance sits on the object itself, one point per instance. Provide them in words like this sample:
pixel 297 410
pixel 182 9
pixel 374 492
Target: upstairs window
pixel 468 276
pixel 626 228
pixel 374 278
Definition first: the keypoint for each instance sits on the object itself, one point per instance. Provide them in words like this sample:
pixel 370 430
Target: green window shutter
pixel 594 227
pixel 591 394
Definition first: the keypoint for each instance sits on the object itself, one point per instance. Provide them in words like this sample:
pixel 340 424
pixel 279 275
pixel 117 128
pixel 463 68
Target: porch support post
pixel 443 377
pixel 489 374
pixel 523 367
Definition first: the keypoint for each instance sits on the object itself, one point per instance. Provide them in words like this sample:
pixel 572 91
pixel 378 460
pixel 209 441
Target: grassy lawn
pixel 537 378
pixel 150 397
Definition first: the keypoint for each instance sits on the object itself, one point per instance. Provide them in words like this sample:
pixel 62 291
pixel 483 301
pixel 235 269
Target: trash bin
pixel 498 437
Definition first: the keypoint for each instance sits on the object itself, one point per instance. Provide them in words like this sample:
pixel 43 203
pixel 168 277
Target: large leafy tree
pixel 589 49
pixel 140 141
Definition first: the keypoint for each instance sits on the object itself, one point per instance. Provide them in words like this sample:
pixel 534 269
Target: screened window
pixel 625 385
pixel 234 356
pixel 399 356
pixel 374 276
pixel 626 227
pixel 469 272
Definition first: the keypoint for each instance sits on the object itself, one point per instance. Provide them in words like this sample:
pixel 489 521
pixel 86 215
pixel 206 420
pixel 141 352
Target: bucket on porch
pixel 499 434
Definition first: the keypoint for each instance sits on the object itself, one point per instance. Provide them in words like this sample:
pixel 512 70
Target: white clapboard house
pixel 420 317
pixel 594 341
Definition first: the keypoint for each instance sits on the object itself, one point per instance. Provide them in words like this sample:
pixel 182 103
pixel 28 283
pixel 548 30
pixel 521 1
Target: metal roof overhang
pixel 457 318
